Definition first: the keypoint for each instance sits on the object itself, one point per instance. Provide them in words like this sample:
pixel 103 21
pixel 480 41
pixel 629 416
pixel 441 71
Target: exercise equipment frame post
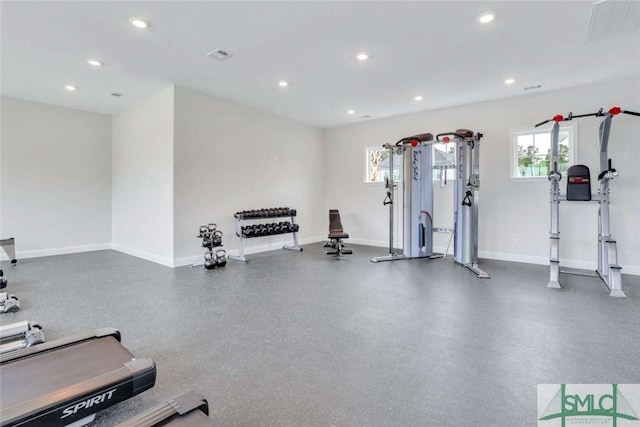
pixel 465 246
pixel 391 186
pixel 608 269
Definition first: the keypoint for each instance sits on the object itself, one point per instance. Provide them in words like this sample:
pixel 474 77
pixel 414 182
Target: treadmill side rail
pixel 165 412
pixel 85 398
pixel 57 344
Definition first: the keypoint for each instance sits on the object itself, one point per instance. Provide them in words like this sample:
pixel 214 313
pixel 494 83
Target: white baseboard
pixel 509 256
pixel 189 260
pixel 37 253
pixel 365 242
pixel 169 262
pixel 541 260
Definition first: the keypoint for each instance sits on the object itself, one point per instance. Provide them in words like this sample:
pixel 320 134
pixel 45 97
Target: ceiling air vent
pixel 366 117
pixel 116 94
pixel 219 54
pixel 612 18
pixel 532 87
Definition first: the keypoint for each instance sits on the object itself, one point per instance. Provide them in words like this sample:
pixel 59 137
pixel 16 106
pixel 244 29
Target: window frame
pixel 513 152
pixel 436 179
pixel 367 164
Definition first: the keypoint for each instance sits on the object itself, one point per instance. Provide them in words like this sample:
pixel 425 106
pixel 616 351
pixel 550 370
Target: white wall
pixel 142 178
pixel 55 178
pixel 514 216
pixel 229 157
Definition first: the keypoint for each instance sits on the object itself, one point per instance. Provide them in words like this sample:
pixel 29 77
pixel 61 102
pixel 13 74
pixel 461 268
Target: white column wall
pixel 142 177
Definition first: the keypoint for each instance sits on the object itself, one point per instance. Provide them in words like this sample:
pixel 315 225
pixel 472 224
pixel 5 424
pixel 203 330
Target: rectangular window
pixel 444 161
pixel 377 165
pixel 531 152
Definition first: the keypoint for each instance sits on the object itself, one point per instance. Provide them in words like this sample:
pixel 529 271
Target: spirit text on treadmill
pixel 88 403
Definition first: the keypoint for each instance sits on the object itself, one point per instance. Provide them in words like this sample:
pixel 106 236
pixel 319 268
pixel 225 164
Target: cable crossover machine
pixel 579 189
pixel 417 198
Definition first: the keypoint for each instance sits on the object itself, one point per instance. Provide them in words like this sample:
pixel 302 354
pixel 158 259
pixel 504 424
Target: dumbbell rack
pixel 241 216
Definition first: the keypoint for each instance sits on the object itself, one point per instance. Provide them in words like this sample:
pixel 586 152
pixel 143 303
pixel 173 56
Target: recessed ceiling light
pixel 509 81
pixel 139 23
pixel 362 56
pixel 486 18
pixel 70 88
pixel 351 112
pixel 94 62
pixel 283 83
pixel 418 98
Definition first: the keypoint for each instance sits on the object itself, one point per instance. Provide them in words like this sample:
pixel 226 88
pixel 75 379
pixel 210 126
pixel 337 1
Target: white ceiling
pixel 434 49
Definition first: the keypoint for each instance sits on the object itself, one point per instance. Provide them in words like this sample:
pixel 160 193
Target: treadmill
pixel 68 380
pixel 187 410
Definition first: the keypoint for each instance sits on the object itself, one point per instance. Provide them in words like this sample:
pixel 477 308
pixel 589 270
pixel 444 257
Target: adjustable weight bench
pixel 189 410
pixel 336 234
pixel 67 381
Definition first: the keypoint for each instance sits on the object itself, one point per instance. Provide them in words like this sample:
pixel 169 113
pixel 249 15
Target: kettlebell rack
pixel 211 238
pixel 265 229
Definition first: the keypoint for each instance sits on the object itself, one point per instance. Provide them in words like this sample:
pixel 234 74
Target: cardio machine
pixel 67 381
pixel 579 189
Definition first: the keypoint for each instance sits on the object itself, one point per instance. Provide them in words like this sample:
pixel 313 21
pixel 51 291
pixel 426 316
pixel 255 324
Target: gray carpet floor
pixel 304 339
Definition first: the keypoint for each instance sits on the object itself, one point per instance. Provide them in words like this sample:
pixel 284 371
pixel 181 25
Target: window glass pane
pixel 533 151
pixel 378 162
pixel 444 158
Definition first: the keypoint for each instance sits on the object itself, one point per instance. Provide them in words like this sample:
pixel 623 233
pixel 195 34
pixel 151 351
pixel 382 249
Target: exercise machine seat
pixel 60 382
pixel 187 410
pixel 335 226
pixel 578 184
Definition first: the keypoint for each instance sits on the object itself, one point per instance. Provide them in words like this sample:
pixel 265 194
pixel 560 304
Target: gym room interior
pixel 320 213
